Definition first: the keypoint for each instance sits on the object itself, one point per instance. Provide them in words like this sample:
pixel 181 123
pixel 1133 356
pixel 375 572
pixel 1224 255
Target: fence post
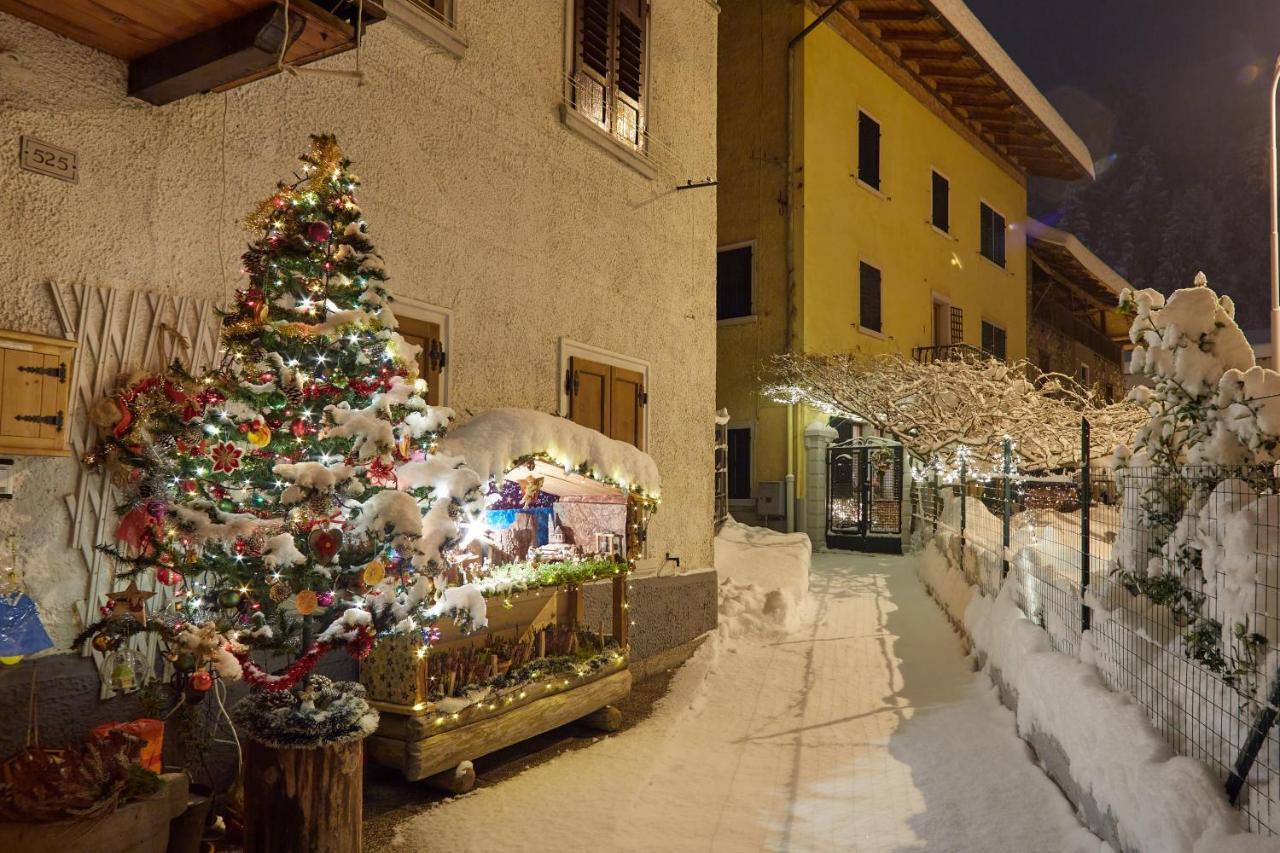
pixel 1086 499
pixel 1006 494
pixel 963 508
pixel 937 501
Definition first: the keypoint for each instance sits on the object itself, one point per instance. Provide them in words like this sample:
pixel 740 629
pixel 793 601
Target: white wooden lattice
pixel 119 332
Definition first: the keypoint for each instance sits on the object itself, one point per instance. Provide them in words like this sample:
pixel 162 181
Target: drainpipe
pixel 791 249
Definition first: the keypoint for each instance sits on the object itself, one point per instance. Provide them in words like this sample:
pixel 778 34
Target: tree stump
pixel 304 800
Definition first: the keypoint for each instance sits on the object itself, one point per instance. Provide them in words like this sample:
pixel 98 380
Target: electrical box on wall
pixel 35 394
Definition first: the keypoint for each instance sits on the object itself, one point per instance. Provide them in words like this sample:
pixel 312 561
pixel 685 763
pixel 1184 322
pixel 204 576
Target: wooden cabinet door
pixel 21 396
pixel 35 393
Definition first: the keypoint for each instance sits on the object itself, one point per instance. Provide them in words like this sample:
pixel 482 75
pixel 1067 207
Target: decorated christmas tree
pixel 291 498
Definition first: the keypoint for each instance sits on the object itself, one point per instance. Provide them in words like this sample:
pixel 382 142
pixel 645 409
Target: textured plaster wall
pixel 480 199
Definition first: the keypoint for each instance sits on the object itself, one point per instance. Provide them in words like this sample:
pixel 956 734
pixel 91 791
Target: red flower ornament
pixel 226 457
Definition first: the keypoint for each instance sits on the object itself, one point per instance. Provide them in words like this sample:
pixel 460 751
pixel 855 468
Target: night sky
pixel 1188 80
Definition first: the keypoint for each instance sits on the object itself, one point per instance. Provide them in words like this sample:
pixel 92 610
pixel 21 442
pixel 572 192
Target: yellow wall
pixel 845 222
pixel 837 220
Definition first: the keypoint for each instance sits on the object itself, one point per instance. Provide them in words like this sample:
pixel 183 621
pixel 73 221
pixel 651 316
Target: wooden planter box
pixel 421 741
pixel 140 827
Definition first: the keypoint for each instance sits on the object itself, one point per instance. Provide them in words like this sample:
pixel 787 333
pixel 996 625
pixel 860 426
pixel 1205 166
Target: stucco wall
pixel 480 200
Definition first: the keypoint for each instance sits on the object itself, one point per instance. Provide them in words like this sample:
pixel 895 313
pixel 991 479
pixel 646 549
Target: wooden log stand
pixel 303 800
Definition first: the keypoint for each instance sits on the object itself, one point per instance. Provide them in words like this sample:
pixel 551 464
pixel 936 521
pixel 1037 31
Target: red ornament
pixel 226 457
pixel 168 576
pixel 200 681
pixel 298 427
pixel 317 232
pixel 324 544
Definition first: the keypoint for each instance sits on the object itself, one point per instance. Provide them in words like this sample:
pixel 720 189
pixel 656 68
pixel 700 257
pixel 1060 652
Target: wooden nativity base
pixel 420 747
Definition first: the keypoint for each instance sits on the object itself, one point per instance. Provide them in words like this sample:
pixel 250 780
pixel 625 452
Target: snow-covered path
pixel 863 727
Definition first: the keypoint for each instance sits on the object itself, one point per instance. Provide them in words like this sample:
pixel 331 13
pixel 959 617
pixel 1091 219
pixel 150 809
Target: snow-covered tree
pixel 290 498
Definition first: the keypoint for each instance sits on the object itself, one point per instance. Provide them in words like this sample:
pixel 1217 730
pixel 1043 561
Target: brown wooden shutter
pixel 589 383
pixel 593 39
pixel 431 358
pixel 626 408
pixel 629 69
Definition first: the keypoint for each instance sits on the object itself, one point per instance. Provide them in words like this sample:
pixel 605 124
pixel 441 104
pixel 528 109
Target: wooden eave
pixel 1060 265
pixel 146 33
pixel 912 34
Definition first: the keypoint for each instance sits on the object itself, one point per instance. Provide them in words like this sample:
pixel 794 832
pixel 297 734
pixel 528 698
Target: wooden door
pixel 626 407
pixel 427 336
pixel 589 386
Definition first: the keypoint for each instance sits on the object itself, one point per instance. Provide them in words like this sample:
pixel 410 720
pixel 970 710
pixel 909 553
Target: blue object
pixel 501 519
pixel 21 632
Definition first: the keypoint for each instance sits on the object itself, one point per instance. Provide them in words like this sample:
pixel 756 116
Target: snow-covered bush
pixel 1195 528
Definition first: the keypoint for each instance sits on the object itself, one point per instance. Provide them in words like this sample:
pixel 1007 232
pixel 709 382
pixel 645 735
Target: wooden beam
pixel 949 85
pixel 876 15
pixel 931 36
pixel 907 52
pixel 930 69
pixel 970 99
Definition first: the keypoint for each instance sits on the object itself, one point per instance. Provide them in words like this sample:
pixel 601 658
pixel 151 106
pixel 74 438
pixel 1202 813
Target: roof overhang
pixel 1072 260
pixel 947 50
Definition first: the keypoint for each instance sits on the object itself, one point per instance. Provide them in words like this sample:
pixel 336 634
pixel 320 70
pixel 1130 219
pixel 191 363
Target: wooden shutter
pixel 610 72
pixel 941 203
pixel 589 385
pixel 629 68
pixel 431 356
pixel 608 399
pixel 869 297
pixel 957 325
pixel 997 238
pixel 868 150
pixel 626 407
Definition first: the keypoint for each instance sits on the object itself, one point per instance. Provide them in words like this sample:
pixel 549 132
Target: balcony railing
pixel 947 352
pixel 1061 318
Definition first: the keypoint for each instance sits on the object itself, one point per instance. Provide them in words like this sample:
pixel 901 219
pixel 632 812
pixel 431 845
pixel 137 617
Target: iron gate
pixel 864 495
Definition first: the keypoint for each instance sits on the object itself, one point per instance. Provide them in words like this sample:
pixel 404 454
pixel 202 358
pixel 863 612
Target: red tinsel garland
pixel 296 671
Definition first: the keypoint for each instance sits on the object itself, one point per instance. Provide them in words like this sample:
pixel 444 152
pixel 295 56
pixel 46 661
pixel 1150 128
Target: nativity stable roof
pixel 949 52
pixel 493 441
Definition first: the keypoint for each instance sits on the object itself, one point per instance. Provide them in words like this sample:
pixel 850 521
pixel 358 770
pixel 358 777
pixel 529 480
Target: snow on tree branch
pixel 969 401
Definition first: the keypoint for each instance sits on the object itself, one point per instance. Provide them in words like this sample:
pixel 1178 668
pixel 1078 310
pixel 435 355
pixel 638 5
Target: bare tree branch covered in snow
pixel 971 401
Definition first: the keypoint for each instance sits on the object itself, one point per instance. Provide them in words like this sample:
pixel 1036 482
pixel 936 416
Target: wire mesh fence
pixel 1169 578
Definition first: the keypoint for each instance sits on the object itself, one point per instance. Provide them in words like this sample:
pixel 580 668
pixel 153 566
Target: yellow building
pixel 873 163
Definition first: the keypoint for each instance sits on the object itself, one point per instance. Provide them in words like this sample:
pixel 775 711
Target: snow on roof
pixel 989 51
pixel 492 441
pixel 1097 268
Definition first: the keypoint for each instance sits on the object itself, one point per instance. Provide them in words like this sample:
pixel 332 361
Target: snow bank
pixel 492 440
pixel 1158 800
pixel 764 576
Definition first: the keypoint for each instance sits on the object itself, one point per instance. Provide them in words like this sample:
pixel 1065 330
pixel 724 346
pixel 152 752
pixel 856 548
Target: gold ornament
pixel 374 573
pixel 259 436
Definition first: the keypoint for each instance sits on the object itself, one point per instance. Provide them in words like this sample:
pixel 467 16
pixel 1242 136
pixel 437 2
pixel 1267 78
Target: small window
pixel 606 393
pixel 957 325
pixel 1083 375
pixel 868 150
pixel 733 283
pixel 991 234
pixel 610 77
pixel 941 203
pixel 740 463
pixel 869 297
pixel 994 340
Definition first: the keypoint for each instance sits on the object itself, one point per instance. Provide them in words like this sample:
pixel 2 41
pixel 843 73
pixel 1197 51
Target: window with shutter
pixel 428 337
pixel 869 297
pixel 733 282
pixel 609 73
pixel 994 340
pixel 739 463
pixel 868 150
pixel 957 325
pixel 607 398
pixel 991 228
pixel 941 203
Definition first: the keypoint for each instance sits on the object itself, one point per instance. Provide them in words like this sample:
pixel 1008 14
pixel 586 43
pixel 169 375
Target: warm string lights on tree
pixel 967 404
pixel 291 499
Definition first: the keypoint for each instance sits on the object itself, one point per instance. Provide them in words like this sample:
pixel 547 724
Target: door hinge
pixel 644 397
pixel 436 357
pixel 59 372
pixel 50 420
pixel 571 382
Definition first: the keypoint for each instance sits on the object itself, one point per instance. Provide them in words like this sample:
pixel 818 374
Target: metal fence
pixel 1144 568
